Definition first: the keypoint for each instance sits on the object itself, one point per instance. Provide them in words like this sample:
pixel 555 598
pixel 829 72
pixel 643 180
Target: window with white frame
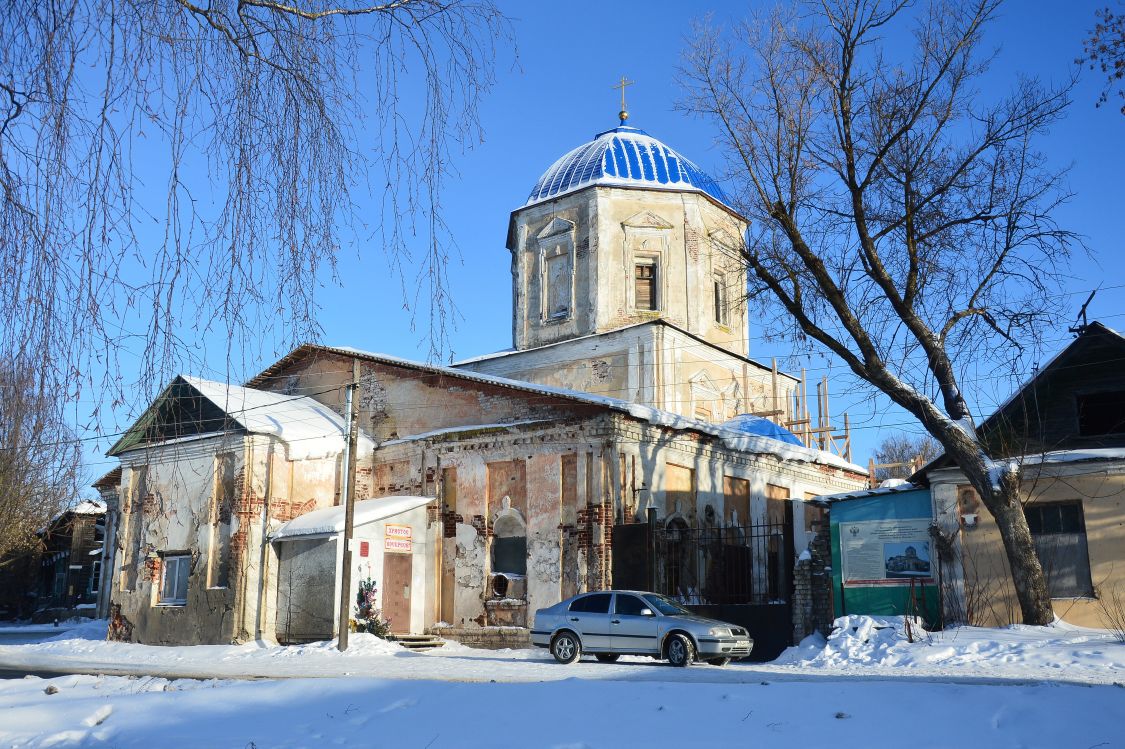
pixel 174 583
pixel 95 578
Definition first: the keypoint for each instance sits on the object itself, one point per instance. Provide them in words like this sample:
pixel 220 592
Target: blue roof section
pixel 624 157
pixel 748 424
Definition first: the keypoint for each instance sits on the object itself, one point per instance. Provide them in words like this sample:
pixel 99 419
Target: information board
pixel 886 552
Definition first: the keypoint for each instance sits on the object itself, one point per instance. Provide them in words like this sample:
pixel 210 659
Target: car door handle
pixel 615 621
pixel 574 618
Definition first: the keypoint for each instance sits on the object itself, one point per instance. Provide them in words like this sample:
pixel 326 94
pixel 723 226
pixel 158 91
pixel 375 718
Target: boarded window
pixel 679 489
pixel 644 281
pixel 1101 413
pixel 222 509
pixel 777 498
pixel 507 478
pixel 736 494
pixel 1059 533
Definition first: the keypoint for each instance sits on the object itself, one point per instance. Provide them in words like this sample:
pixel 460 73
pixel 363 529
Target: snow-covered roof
pixel 308 429
pixel 730 438
pixel 330 520
pixel 87 507
pixel 624 157
pixel 882 491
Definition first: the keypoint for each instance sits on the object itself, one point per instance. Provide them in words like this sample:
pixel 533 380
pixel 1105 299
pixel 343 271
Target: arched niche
pixel 509 540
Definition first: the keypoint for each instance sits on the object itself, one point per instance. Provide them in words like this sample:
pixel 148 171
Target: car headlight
pixel 720 631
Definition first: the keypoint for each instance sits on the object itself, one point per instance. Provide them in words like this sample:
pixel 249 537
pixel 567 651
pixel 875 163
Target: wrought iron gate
pixel 740 574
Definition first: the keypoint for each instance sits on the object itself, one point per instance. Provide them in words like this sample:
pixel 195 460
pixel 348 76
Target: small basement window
pixel 173 588
pixel 1101 413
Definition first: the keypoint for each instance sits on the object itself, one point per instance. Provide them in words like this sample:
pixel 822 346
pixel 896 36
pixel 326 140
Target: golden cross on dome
pixel 623 114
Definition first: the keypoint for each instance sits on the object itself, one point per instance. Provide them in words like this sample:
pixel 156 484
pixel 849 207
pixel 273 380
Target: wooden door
pixel 396 590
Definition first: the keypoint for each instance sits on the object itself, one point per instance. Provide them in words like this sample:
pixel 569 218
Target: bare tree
pixel 903 454
pixel 901 223
pixel 40 466
pixel 1104 51
pixel 171 168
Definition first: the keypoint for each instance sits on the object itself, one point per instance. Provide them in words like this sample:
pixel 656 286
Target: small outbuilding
pixel 392 547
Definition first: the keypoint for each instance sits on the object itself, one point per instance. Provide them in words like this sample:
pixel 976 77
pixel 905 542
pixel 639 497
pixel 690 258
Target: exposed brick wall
pixel 812 588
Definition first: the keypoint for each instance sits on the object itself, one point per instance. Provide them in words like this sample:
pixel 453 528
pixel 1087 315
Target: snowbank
pixel 881 643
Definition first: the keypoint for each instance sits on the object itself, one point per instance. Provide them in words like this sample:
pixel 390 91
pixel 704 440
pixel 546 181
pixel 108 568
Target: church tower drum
pixel 624 230
pixel 628 280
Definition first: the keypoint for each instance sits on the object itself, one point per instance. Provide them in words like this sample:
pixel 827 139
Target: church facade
pixel 628 397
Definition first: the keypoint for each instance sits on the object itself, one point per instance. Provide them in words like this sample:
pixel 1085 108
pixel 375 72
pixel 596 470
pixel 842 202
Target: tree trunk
pixel 1027 573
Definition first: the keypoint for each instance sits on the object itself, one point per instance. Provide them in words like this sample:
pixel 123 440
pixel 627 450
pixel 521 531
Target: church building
pixel 490 488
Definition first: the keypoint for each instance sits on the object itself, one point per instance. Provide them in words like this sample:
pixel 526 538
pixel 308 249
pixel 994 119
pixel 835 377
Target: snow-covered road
pixel 1060 653
pixel 1057 687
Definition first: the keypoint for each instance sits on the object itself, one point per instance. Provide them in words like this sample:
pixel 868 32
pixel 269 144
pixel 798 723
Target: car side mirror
pixel 647 612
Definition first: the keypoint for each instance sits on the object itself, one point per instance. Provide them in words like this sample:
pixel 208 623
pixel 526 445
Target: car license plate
pixel 742 644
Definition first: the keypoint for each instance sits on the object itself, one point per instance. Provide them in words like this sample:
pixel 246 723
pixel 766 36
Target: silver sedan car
pixel 612 623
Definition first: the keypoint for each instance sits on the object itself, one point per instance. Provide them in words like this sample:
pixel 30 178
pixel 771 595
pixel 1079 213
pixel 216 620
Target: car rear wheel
pixel 566 647
pixel 679 651
pixel 718 661
pixel 607 657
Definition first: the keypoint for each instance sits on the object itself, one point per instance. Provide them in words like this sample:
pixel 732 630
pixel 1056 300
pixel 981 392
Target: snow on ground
pixel 143 712
pixel 864 686
pixel 881 644
pixel 862 647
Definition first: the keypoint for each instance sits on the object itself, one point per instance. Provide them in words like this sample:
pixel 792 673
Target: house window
pixel 1101 413
pixel 173 588
pixel 1059 533
pixel 722 313
pixel 644 285
pixel 95 578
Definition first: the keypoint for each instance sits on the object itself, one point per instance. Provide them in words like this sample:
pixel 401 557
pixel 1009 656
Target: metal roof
pixel 624 157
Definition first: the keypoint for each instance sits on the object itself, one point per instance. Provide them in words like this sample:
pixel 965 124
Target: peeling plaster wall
pixel 576 490
pixel 178 515
pixel 653 365
pixel 687 230
pixel 174 500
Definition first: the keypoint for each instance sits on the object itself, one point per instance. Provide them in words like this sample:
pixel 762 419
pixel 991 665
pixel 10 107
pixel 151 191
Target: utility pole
pixel 352 407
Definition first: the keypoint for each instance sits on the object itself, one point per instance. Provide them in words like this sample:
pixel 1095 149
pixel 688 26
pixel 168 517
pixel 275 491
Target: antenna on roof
pixel 1080 327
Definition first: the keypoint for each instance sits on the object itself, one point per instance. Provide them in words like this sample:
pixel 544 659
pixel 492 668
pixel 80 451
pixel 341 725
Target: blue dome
pixel 624 157
pixel 760 427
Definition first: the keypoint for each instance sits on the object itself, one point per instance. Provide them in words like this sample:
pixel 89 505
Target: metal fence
pixel 721 566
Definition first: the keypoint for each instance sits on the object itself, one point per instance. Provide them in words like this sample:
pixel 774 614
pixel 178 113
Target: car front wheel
pixel 566 647
pixel 680 651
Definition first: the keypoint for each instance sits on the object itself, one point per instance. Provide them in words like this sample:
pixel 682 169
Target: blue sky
pixel 560 93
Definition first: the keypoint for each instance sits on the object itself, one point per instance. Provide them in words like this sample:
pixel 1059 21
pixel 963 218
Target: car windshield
pixel 666 606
